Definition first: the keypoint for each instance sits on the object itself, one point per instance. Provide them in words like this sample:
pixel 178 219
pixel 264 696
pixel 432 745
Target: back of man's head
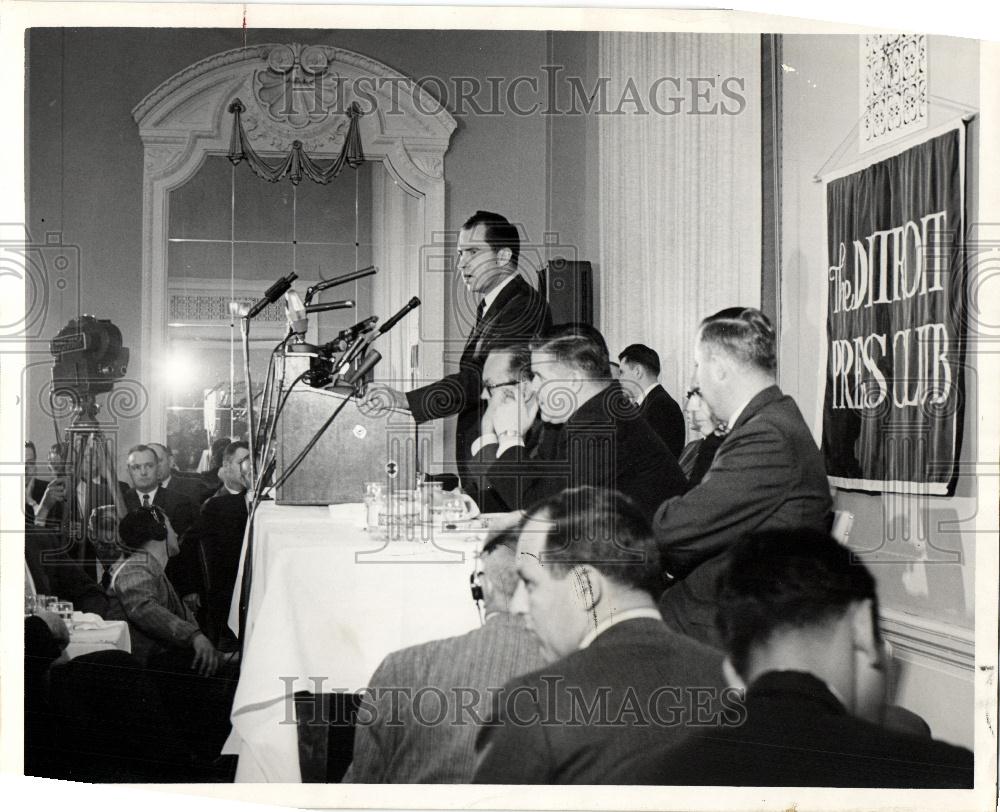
pixel 787 581
pixel 498 233
pixel 578 346
pixel 644 356
pixel 140 527
pixel 604 529
pixel 231 449
pixel 743 334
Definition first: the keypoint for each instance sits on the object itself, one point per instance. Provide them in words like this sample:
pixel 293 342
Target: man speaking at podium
pixel 509 310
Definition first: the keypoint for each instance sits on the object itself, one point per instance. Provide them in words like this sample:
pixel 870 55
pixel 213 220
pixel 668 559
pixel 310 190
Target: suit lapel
pixel 511 289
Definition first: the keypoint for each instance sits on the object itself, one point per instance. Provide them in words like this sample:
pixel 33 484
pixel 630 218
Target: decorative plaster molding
pixel 942 644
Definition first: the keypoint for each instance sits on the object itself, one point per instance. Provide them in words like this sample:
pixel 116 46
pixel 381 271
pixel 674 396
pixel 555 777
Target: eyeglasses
pixel 491 386
pixel 157 513
pixel 693 392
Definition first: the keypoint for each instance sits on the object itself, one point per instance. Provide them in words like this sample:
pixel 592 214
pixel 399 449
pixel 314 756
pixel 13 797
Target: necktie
pixel 145 500
pixel 480 309
pixel 106 580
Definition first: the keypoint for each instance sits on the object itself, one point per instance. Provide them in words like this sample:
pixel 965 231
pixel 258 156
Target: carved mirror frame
pixel 295 92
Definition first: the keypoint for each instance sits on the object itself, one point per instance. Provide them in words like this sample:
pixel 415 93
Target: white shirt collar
pixel 151 495
pixel 491 297
pixel 736 415
pixel 234 493
pixel 165 483
pixel 619 617
pixel 645 393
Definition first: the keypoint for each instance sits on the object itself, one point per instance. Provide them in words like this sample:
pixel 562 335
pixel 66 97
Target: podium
pixel 361 445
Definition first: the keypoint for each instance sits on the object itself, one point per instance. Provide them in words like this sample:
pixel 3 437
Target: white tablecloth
pixel 103 635
pixel 327 603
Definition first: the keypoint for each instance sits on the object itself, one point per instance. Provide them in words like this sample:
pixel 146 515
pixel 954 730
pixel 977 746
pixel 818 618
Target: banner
pixel 892 411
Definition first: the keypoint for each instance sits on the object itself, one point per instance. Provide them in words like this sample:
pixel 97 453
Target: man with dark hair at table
pixel 621 681
pixel 393 742
pixel 603 441
pixel 767 473
pixel 798 615
pixel 640 365
pixel 509 310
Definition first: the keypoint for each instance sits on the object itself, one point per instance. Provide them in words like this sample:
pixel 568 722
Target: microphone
pixel 340 304
pixel 410 305
pixel 340 280
pixel 349 335
pixel 272 294
pixel 362 344
pixel 296 313
pixel 363 368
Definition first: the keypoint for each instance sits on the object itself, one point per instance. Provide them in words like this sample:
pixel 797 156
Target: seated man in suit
pixel 603 441
pixel 34 486
pixel 799 619
pixel 641 366
pixel 708 431
pixel 767 472
pixel 623 681
pixel 195 680
pixel 219 530
pixel 392 741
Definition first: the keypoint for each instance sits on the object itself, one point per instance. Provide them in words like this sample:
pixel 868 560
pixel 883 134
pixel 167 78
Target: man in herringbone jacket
pixel 419 717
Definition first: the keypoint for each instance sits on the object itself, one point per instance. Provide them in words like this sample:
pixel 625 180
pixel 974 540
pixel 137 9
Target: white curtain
pixel 680 194
pixel 397 222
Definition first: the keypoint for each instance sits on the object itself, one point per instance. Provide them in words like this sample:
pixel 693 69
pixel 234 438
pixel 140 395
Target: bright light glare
pixel 179 370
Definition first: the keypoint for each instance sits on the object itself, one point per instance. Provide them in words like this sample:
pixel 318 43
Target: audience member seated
pixel 603 441
pixel 767 473
pixel 641 366
pixel 56 571
pixel 34 486
pixel 143 468
pixel 45 637
pixel 623 681
pixel 393 742
pixel 799 619
pixel 709 432
pixel 219 532
pixel 165 636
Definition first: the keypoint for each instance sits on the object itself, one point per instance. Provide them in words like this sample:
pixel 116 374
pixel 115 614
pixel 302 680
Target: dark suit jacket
pixel 665 418
pixel 179 509
pixel 768 473
pixel 189 486
pixel 605 443
pixel 573 721
pixel 797 734
pixel 518 314
pixel 468 670
pixel 220 527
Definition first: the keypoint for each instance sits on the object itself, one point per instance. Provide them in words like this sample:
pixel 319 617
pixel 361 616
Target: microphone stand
pixel 245 333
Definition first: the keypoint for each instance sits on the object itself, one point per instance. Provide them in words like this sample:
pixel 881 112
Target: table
pixel 104 635
pixel 327 603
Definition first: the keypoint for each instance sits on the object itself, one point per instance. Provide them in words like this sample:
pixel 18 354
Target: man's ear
pixel 589 585
pixel 863 632
pixel 732 677
pixel 504 256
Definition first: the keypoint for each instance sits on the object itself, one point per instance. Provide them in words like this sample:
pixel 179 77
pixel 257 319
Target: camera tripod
pixel 89 468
